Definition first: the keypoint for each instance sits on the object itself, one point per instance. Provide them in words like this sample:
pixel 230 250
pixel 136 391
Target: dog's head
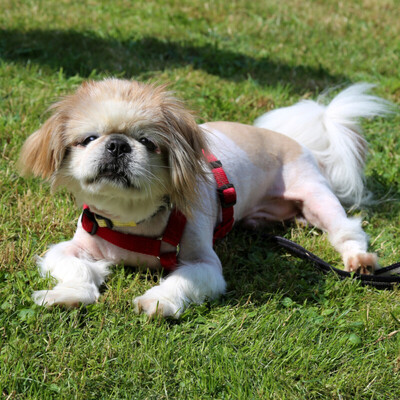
pixel 116 143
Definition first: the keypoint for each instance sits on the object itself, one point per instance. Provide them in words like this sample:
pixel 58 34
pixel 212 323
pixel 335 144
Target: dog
pixel 148 175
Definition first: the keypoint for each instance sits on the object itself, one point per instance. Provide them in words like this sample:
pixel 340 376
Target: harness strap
pixel 140 244
pixel 227 197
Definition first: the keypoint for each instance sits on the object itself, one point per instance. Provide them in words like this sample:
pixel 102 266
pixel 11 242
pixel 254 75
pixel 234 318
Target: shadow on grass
pixel 385 196
pixel 260 269
pixel 81 53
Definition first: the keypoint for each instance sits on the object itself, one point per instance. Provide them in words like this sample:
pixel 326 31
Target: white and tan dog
pixel 132 151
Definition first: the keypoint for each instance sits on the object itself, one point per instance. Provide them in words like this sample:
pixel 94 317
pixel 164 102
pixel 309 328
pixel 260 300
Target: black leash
pixel 383 278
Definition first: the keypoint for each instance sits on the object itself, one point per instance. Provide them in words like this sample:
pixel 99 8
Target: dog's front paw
pixel 362 263
pixel 66 296
pixel 49 298
pixel 153 305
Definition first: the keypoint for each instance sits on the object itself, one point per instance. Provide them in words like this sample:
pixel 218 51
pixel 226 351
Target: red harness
pixel 175 226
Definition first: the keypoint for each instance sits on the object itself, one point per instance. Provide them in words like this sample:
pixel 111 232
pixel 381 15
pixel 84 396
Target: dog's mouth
pixel 113 174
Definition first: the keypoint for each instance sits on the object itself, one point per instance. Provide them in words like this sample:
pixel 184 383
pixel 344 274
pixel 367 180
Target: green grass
pixel 283 331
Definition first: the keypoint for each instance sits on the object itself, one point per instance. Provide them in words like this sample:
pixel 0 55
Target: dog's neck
pixel 128 212
pixel 164 206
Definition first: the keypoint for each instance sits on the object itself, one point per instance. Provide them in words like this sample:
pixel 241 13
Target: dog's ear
pixel 186 159
pixel 43 151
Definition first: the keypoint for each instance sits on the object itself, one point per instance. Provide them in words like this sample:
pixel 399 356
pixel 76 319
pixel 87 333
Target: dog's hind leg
pixel 322 209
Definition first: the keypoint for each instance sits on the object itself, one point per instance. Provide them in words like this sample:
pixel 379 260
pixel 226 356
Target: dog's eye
pixel 149 144
pixel 88 140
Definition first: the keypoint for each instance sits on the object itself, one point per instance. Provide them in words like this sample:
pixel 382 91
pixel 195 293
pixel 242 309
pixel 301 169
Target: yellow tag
pixel 103 224
pixel 117 223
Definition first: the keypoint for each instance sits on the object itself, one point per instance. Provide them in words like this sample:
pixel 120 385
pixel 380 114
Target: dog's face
pixel 115 150
pixel 116 143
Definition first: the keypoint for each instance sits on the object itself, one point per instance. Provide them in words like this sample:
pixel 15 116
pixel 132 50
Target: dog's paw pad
pixel 362 263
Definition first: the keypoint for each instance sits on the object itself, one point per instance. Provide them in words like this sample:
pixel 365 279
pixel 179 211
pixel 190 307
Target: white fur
pixel 332 133
pixel 79 277
pixel 192 283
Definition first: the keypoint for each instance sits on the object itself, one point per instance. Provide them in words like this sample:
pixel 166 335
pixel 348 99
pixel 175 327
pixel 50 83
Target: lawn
pixel 283 330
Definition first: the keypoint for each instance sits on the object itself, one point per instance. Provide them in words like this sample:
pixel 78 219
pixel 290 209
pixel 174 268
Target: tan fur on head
pixel 43 151
pixel 186 159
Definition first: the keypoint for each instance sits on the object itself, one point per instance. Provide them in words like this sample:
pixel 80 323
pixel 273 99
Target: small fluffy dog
pixel 147 175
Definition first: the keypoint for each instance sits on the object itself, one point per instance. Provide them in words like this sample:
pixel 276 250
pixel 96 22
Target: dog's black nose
pixel 117 147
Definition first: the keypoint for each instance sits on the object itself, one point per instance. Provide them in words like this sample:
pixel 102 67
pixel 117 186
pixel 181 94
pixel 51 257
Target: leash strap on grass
pixel 383 278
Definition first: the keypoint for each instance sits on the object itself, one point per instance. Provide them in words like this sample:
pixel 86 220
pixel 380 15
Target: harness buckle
pixel 223 195
pixel 215 164
pixel 89 215
pixel 177 251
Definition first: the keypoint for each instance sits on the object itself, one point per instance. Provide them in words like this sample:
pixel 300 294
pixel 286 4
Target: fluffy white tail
pixel 333 134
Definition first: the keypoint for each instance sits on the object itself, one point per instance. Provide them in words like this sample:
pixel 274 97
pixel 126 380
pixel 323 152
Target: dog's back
pixel 333 134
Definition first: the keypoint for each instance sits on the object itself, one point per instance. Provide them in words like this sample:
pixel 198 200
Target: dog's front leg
pixel 78 275
pixel 192 282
